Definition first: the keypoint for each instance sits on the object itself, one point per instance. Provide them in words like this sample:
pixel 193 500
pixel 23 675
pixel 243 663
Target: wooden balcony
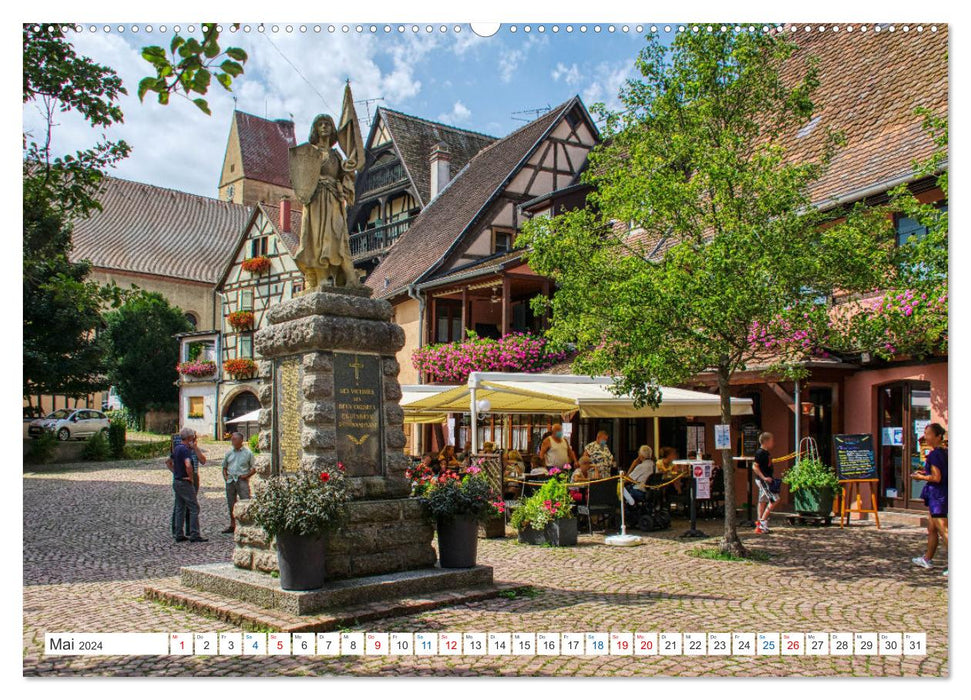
pixel 379 178
pixel 374 241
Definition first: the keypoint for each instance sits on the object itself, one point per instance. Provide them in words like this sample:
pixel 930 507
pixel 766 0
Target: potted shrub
pixel 299 510
pixel 547 516
pixel 457 503
pixel 814 485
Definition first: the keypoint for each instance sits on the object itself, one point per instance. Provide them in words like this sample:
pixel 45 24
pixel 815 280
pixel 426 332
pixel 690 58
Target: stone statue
pixel 323 181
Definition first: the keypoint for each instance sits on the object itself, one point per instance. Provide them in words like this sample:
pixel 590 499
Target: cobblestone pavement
pixel 95 535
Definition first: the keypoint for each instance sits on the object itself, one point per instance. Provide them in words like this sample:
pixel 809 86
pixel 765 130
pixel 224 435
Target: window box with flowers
pixel 257 265
pixel 456 503
pixel 451 363
pixel 241 320
pixel 299 510
pixel 547 516
pixel 239 368
pixel 196 369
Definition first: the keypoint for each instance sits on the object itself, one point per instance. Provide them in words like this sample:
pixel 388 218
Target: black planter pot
pixel 302 560
pixel 559 533
pixel 528 535
pixel 562 532
pixel 458 542
pixel 813 500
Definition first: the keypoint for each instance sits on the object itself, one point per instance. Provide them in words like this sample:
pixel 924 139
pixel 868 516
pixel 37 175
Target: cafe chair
pixel 601 501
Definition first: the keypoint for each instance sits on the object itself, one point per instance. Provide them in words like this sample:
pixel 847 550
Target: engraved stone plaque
pixel 288 405
pixel 359 403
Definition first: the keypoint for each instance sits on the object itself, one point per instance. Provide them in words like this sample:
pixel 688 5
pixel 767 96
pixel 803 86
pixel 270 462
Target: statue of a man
pixel 323 181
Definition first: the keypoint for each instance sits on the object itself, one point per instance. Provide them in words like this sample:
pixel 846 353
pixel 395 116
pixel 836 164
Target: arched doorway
pixel 243 403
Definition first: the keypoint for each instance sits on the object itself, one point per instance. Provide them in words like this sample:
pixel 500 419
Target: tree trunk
pixel 730 543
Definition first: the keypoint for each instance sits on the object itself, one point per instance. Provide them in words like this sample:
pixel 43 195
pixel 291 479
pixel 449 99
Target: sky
pixel 458 78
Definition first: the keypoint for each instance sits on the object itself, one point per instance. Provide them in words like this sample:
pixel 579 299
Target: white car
pixel 69 424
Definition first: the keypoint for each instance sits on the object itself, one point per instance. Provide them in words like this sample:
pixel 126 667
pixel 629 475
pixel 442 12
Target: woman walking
pixel 934 492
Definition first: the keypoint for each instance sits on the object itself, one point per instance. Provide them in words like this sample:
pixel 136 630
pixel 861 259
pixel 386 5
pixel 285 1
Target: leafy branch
pixel 189 67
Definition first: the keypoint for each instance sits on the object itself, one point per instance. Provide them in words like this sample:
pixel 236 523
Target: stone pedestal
pixel 329 394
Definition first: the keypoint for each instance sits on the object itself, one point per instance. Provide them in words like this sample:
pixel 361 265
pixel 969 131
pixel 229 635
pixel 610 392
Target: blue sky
pixel 458 78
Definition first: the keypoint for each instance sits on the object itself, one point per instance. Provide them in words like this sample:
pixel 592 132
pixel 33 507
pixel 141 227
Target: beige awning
pixel 561 394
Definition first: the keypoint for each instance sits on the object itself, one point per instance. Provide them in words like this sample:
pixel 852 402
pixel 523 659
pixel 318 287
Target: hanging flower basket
pixel 239 368
pixel 257 265
pixel 196 369
pixel 241 320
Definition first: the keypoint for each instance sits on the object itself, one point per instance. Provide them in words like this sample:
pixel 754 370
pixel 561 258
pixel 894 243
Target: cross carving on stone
pixel 357 365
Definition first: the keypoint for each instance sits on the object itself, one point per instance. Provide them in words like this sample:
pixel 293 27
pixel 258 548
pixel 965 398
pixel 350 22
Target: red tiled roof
pixel 265 145
pixel 153 230
pixel 449 215
pixel 415 137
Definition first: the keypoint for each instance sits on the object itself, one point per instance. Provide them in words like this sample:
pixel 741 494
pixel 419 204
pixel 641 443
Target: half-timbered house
pixel 409 160
pixel 456 268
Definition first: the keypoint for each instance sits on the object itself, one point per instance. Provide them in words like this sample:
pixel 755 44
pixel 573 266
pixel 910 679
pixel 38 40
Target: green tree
pixel 694 160
pixel 64 352
pixel 143 352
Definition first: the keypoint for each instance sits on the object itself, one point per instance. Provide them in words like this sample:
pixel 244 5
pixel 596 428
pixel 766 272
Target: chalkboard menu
pixel 750 439
pixel 854 457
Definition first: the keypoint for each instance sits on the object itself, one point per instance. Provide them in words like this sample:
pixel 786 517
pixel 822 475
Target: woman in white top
pixel 640 470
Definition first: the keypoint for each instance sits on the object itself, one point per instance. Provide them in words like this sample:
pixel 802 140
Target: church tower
pixel 255 167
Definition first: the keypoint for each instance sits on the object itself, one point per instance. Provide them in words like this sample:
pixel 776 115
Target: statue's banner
pixel 305 162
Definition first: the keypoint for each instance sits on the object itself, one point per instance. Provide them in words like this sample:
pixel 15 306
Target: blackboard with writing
pixel 750 439
pixel 854 457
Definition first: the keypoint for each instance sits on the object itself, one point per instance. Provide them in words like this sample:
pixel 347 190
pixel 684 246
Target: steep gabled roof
pixel 265 145
pixel 414 139
pixel 291 238
pixel 153 230
pixel 443 222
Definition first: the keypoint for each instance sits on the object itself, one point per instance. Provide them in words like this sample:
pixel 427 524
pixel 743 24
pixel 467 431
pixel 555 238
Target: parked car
pixel 69 424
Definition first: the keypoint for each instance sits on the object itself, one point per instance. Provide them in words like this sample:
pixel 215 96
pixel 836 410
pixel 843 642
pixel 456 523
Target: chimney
pixel 440 171
pixel 285 214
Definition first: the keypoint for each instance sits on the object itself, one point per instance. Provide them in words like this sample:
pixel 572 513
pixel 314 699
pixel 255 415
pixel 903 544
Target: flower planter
pixel 458 542
pixel 562 532
pixel 302 560
pixel 494 528
pixel 813 501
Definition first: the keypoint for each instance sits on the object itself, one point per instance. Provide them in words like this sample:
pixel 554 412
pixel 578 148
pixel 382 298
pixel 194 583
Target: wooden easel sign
pixel 854 466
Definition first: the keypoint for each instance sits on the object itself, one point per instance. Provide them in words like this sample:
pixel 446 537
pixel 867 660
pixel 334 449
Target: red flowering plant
pixel 552 501
pixel 516 352
pixel 257 265
pixel 241 367
pixel 307 502
pixel 451 494
pixel 241 320
pixel 196 368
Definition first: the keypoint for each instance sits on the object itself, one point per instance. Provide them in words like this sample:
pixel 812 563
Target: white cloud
pixel 459 114
pixel 178 146
pixel 606 82
pixel 508 63
pixel 571 75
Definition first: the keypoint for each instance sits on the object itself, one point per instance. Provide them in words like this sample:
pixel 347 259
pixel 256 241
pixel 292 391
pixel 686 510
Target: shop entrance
pixel 904 409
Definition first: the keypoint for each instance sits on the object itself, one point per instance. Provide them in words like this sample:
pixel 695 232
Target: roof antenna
pixel 367 107
pixel 537 113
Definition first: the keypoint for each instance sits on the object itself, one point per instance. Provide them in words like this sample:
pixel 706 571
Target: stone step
pixel 251 616
pixel 264 590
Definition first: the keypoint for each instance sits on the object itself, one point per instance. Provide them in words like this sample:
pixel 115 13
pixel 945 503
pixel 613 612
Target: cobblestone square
pixel 96 534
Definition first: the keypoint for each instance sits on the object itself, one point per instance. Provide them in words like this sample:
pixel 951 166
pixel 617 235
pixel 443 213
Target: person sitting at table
pixel 447 458
pixel 600 456
pixel 514 466
pixel 580 475
pixel 536 466
pixel 640 470
pixel 666 466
